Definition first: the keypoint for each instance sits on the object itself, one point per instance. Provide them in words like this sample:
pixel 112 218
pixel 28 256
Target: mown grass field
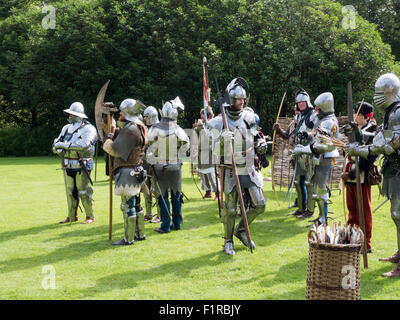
pixel 185 264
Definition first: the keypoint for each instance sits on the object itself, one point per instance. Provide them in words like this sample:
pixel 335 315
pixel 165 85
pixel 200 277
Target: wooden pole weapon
pixel 273 146
pixel 342 183
pixel 352 138
pixel 206 94
pixel 100 109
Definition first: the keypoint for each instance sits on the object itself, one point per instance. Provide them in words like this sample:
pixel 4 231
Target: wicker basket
pixel 333 270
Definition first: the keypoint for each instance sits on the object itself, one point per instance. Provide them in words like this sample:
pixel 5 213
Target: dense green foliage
pixel 152 50
pixel 25 141
pixel 385 13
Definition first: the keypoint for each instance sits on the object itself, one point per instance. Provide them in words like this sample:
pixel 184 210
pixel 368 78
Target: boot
pixel 65 221
pixel 122 242
pixel 317 221
pixel 296 213
pixel 156 220
pixel 228 248
pixel 306 214
pixel 68 219
pixel 139 238
pixel 394 258
pixel 394 273
pixel 242 236
pixel 88 220
pixel 208 194
pixel 295 205
pixel 148 217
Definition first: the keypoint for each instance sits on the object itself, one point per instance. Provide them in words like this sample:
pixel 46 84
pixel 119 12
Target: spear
pixel 352 138
pixel 273 145
pixel 206 100
pixel 108 109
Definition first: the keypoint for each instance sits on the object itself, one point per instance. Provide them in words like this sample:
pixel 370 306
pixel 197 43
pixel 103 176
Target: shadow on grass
pixel 372 281
pixel 288 273
pixel 9 235
pixel 72 251
pixel 180 269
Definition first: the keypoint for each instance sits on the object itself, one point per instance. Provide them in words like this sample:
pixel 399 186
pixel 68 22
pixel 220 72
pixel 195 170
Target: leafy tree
pixel 152 50
pixel 386 14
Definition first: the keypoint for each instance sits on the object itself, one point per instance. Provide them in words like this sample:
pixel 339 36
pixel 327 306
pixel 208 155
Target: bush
pixel 19 142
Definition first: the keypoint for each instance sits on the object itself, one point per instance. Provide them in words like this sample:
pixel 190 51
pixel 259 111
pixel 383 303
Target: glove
pixel 276 127
pixel 349 128
pixel 304 135
pixel 59 152
pixel 300 149
pixel 354 149
pixel 261 147
pixel 345 176
pixel 61 145
pixel 227 135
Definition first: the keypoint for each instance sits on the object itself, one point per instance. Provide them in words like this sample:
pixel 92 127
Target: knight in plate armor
pixel 126 144
pixel 168 144
pixel 387 143
pixel 203 154
pixel 304 121
pixel 323 154
pixel 150 118
pixel 76 146
pixel 243 131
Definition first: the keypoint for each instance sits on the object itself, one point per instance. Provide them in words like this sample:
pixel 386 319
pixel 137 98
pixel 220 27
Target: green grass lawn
pixel 185 264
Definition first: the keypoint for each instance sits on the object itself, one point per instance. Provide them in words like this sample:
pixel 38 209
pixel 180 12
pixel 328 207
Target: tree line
pixel 152 50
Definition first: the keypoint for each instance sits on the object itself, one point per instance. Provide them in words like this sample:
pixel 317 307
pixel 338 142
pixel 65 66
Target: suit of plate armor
pixel 168 144
pixel 242 126
pixel 127 145
pixel 76 145
pixel 323 154
pixel 387 142
pixel 304 164
pixel 150 116
pixel 202 155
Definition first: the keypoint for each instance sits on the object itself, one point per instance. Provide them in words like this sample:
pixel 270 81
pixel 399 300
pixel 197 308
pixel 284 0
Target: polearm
pixel 155 177
pixel 272 150
pixel 352 138
pixel 95 164
pixel 206 100
pixel 386 200
pixel 342 185
pixel 291 186
pixel 235 173
pixel 108 109
pixel 110 174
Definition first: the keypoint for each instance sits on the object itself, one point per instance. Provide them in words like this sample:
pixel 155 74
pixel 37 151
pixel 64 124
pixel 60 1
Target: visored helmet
pixel 235 89
pixel 387 89
pixel 170 108
pixel 325 102
pixel 132 109
pixel 151 115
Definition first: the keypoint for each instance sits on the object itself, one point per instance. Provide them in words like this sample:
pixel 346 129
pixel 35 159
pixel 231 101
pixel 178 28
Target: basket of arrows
pixel 334 262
